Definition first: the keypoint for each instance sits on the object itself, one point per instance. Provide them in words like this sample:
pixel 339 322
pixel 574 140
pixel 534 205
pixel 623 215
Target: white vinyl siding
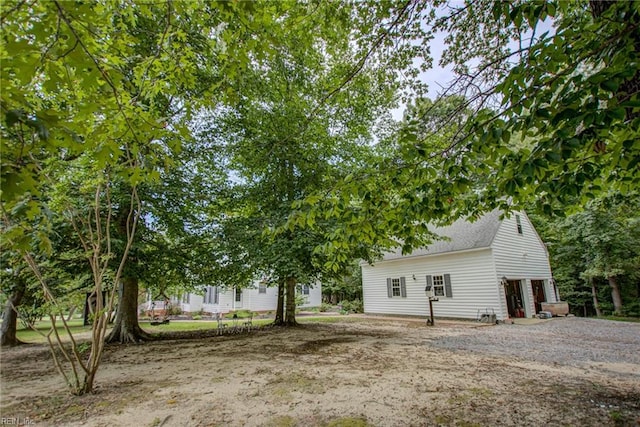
pixel 314 297
pixel 471 274
pixel 251 299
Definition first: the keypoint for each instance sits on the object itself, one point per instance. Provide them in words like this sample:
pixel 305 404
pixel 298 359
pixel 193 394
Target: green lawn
pixel 621 318
pixel 31 336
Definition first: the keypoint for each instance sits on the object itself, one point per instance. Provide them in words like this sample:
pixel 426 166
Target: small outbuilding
pixel 489 266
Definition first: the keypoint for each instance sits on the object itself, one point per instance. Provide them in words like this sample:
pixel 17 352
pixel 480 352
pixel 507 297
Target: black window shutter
pixel 429 284
pixel 447 285
pixel 389 290
pixel 403 287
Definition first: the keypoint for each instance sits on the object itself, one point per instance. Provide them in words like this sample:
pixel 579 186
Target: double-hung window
pixel 441 285
pixel 211 295
pixel 396 287
pixel 438 286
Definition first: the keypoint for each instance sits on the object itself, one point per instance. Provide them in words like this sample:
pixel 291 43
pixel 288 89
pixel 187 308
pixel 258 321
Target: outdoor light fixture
pixel 504 281
pixel 414 277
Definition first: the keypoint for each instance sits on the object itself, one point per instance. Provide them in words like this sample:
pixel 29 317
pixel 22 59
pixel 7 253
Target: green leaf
pixel 13 117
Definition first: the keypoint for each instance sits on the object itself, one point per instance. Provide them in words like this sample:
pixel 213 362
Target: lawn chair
pixel 221 324
pixel 234 322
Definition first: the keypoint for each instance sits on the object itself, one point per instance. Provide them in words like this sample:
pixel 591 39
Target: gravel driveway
pixel 569 341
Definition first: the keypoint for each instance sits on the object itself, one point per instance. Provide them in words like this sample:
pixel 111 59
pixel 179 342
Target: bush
pixel 631 309
pixel 196 317
pixel 239 314
pixel 354 306
pixel 175 310
pixel 325 307
pixel 300 300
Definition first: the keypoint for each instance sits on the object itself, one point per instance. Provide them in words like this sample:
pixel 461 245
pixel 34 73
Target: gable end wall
pixel 522 257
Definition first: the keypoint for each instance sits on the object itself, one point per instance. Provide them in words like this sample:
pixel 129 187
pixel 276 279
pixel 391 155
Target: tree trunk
pixel 615 294
pixel 290 313
pixel 594 294
pixel 279 321
pixel 71 311
pixel 8 328
pixel 126 328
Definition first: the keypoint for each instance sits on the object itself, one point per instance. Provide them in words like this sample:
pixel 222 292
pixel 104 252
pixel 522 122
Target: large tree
pixel 549 120
pixel 85 101
pixel 303 123
pixel 597 248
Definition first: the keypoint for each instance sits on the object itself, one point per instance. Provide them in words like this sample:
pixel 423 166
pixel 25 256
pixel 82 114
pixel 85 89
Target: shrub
pixel 175 310
pixel 354 306
pixel 300 300
pixel 631 309
pixel 325 307
pixel 239 314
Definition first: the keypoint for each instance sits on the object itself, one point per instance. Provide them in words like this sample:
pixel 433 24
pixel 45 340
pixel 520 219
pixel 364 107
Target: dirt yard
pixel 357 372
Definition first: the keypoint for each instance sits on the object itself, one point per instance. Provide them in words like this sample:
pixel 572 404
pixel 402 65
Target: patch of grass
pixel 74 410
pixel 282 421
pixel 330 319
pixel 349 422
pixel 76 326
pixel 282 393
pixel 481 392
pixel 616 416
pixel 28 335
pixel 283 384
pixel 459 399
pixel 240 314
pixel 443 419
pixel 174 326
pixel 621 318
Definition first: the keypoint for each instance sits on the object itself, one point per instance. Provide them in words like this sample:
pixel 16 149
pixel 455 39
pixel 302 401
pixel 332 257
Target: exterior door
pixel 538 294
pixel 238 298
pixel 513 293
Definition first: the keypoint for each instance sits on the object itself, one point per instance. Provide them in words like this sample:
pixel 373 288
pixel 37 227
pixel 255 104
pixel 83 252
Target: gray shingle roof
pixel 463 235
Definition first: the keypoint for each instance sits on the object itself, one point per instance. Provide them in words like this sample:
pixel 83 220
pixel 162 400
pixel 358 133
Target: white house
pixel 487 266
pixel 259 297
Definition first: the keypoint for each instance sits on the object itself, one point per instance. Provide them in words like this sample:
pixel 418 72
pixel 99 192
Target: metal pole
pixel 430 321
